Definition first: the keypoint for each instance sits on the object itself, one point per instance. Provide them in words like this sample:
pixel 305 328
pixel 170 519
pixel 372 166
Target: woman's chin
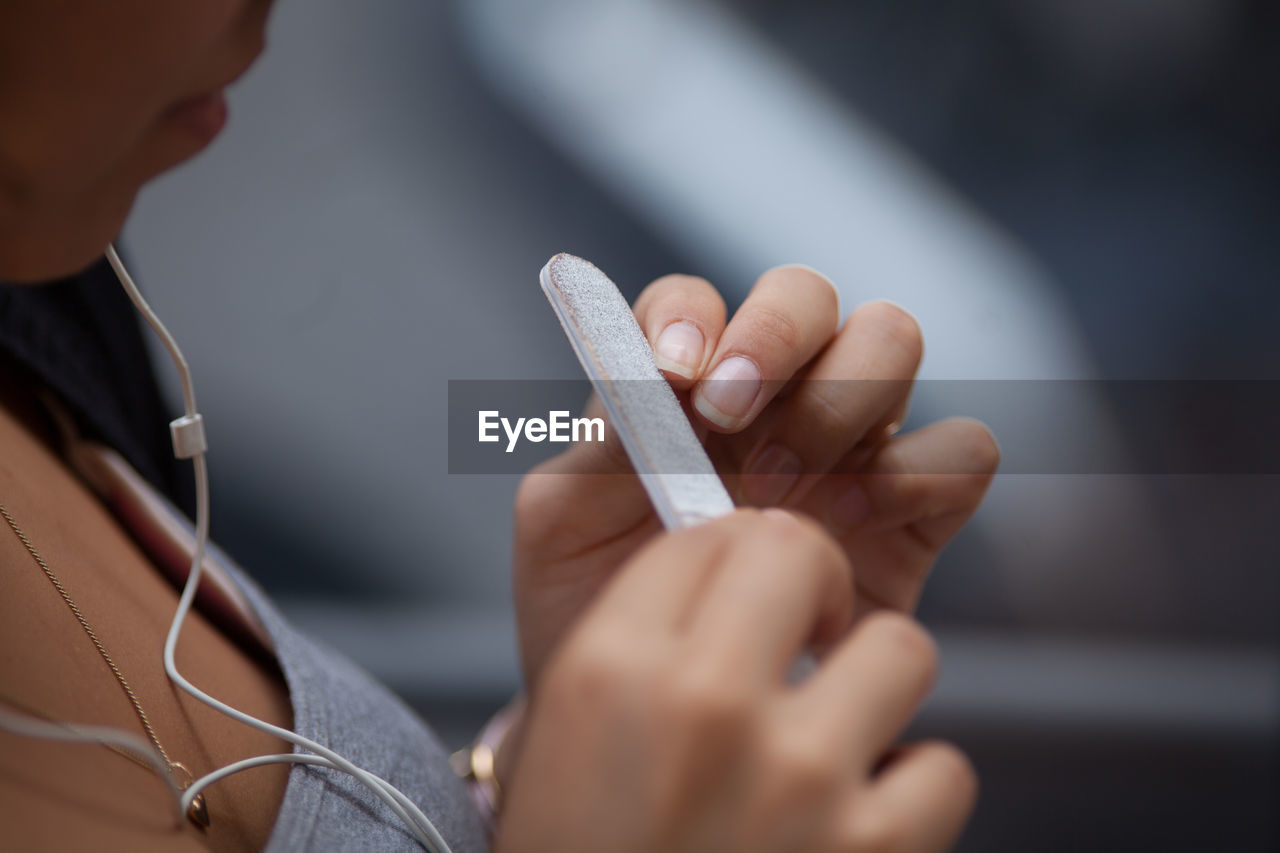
pixel 36 268
pixel 42 253
pixel 58 233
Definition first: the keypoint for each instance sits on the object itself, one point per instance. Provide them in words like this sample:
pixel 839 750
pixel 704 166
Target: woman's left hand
pixel 824 446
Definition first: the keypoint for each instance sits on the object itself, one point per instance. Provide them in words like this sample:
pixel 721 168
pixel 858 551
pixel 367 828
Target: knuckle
pixel 800 529
pixel 823 415
pixel 789 275
pixel 896 325
pixel 914 489
pixel 807 770
pixel 700 699
pixel 773 328
pixel 743 522
pixel 588 669
pixel 906 634
pixel 811 543
pixel 816 560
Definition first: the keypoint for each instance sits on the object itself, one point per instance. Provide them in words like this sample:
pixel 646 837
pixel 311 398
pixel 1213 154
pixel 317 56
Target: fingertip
pixel 778 515
pixel 679 350
pixel 978 444
pixel 903 634
pixel 816 273
pixel 895 324
pixel 683 317
pixel 804 536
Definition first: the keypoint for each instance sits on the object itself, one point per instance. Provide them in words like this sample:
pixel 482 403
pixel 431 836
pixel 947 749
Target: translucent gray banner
pixel 1144 427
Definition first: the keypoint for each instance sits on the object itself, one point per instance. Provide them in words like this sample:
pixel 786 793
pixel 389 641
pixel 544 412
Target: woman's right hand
pixel 665 720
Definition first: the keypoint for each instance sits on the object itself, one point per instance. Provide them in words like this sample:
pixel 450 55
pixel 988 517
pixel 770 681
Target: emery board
pixel 666 454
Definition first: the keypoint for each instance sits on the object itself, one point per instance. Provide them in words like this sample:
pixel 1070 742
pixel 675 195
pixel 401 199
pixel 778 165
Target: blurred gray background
pixel 1057 189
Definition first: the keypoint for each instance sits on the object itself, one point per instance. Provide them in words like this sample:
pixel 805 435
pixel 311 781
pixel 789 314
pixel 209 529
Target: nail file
pixel 671 462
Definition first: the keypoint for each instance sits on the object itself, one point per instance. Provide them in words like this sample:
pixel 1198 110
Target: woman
pixel 658 715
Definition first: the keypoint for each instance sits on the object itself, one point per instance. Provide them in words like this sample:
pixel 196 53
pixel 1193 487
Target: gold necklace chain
pixel 198 813
pixel 13 701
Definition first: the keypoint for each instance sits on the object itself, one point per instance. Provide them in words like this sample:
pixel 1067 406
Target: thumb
pixel 592 457
pixel 582 497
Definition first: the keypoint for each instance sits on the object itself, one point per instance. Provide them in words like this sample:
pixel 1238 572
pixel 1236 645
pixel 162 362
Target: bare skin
pixel 81 797
pixel 677 675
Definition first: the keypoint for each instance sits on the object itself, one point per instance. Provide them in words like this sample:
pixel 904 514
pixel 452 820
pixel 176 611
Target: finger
pixel 784 582
pixel 660 587
pixel 567 501
pixel 682 316
pixel 790 315
pixel 851 396
pixel 869 686
pixel 976 456
pixel 919 803
pixel 938 473
pixel 896 515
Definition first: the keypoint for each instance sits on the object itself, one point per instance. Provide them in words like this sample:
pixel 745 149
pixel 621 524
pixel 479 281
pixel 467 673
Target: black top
pixel 81 337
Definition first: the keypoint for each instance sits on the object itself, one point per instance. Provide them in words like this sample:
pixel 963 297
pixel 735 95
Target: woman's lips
pixel 203 116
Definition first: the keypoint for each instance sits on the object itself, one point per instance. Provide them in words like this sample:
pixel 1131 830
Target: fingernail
pixel 851 508
pixel 725 397
pixel 679 349
pixel 770 476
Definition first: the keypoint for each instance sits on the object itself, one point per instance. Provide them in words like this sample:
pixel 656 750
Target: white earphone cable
pixel 76 733
pixel 189 441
